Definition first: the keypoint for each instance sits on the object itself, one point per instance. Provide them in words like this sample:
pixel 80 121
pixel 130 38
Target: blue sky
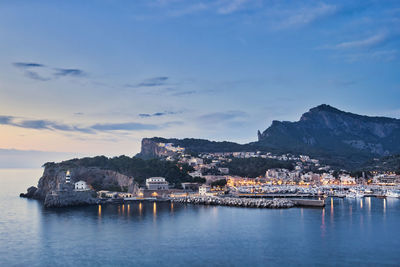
pixel 94 77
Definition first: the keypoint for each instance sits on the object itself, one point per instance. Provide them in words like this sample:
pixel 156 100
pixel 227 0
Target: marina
pixel 152 230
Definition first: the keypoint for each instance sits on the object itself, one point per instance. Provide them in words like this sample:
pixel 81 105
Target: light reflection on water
pixel 169 234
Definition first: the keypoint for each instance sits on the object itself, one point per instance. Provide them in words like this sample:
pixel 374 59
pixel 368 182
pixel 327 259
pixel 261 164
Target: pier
pixel 275 203
pixel 275 195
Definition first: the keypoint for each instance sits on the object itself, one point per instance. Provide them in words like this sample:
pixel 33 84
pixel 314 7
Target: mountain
pixel 337 136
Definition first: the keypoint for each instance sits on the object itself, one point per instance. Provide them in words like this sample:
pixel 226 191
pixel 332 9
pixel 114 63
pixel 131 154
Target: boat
pixel 340 195
pixel 354 195
pixel 392 194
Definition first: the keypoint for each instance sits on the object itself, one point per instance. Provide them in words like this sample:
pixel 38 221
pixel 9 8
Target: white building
pixel 223 170
pixel 81 186
pixel 347 179
pixel 195 174
pixel 204 189
pixel 156 183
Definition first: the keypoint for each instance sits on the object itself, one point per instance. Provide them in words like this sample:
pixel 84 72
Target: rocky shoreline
pixel 276 203
pixel 70 198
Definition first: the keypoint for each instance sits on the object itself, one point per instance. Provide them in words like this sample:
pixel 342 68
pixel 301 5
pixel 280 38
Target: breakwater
pixel 277 203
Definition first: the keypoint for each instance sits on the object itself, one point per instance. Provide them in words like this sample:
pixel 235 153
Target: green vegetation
pixel 254 167
pixel 199 180
pixel 389 163
pixel 135 167
pixel 219 183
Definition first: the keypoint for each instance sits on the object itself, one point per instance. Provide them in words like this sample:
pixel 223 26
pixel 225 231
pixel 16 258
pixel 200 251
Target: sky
pixel 91 78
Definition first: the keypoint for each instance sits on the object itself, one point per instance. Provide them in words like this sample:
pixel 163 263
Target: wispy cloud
pixel 184 93
pixel 156 114
pixel 156 81
pixel 176 8
pixel 27 65
pixel 31 70
pixel 362 43
pixel 5 119
pixel 41 72
pixel 304 15
pixel 379 55
pixel 231 6
pixel 151 82
pixel 36 76
pixel 69 72
pixel 40 124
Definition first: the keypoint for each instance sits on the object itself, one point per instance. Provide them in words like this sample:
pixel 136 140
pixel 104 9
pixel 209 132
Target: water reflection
pixel 99 211
pixel 384 206
pixel 172 207
pixel 140 208
pixel 361 203
pixel 154 209
pixel 368 201
pixel 351 213
pixel 323 228
pixel 332 210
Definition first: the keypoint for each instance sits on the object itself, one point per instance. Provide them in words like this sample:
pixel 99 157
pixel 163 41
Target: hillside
pixel 389 163
pixel 335 136
pixel 338 138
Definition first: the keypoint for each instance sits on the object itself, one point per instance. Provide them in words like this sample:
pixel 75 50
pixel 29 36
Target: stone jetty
pixel 276 203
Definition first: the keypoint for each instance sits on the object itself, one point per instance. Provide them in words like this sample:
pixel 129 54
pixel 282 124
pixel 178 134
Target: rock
pixel 30 192
pixel 54 175
pixel 69 198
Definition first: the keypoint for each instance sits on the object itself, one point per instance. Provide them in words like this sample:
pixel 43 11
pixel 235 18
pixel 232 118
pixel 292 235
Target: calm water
pixel 346 232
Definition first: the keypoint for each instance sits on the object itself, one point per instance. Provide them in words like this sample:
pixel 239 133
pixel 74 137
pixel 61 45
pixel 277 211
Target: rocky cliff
pixel 336 137
pixel 150 149
pixel 95 177
pixel 325 130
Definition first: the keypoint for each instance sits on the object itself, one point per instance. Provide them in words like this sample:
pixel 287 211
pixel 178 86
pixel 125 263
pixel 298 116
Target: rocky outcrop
pixel 55 192
pixel 276 203
pixel 327 127
pixel 325 131
pixel 151 149
pixel 59 199
pixel 54 174
pixel 30 192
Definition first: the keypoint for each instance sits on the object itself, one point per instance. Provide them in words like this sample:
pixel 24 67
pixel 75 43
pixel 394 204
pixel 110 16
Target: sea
pixel 347 232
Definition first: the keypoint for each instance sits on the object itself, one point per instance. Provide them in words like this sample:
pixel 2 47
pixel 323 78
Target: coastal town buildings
pixel 156 183
pixel 81 186
pixel 204 190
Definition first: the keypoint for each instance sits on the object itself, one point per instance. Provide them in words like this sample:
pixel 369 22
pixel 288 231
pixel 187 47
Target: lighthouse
pixel 68 177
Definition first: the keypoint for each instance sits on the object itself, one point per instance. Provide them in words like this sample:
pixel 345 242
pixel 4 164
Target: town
pixel 306 177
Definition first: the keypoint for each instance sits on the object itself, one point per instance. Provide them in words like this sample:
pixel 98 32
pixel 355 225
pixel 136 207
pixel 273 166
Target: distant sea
pixel 344 233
